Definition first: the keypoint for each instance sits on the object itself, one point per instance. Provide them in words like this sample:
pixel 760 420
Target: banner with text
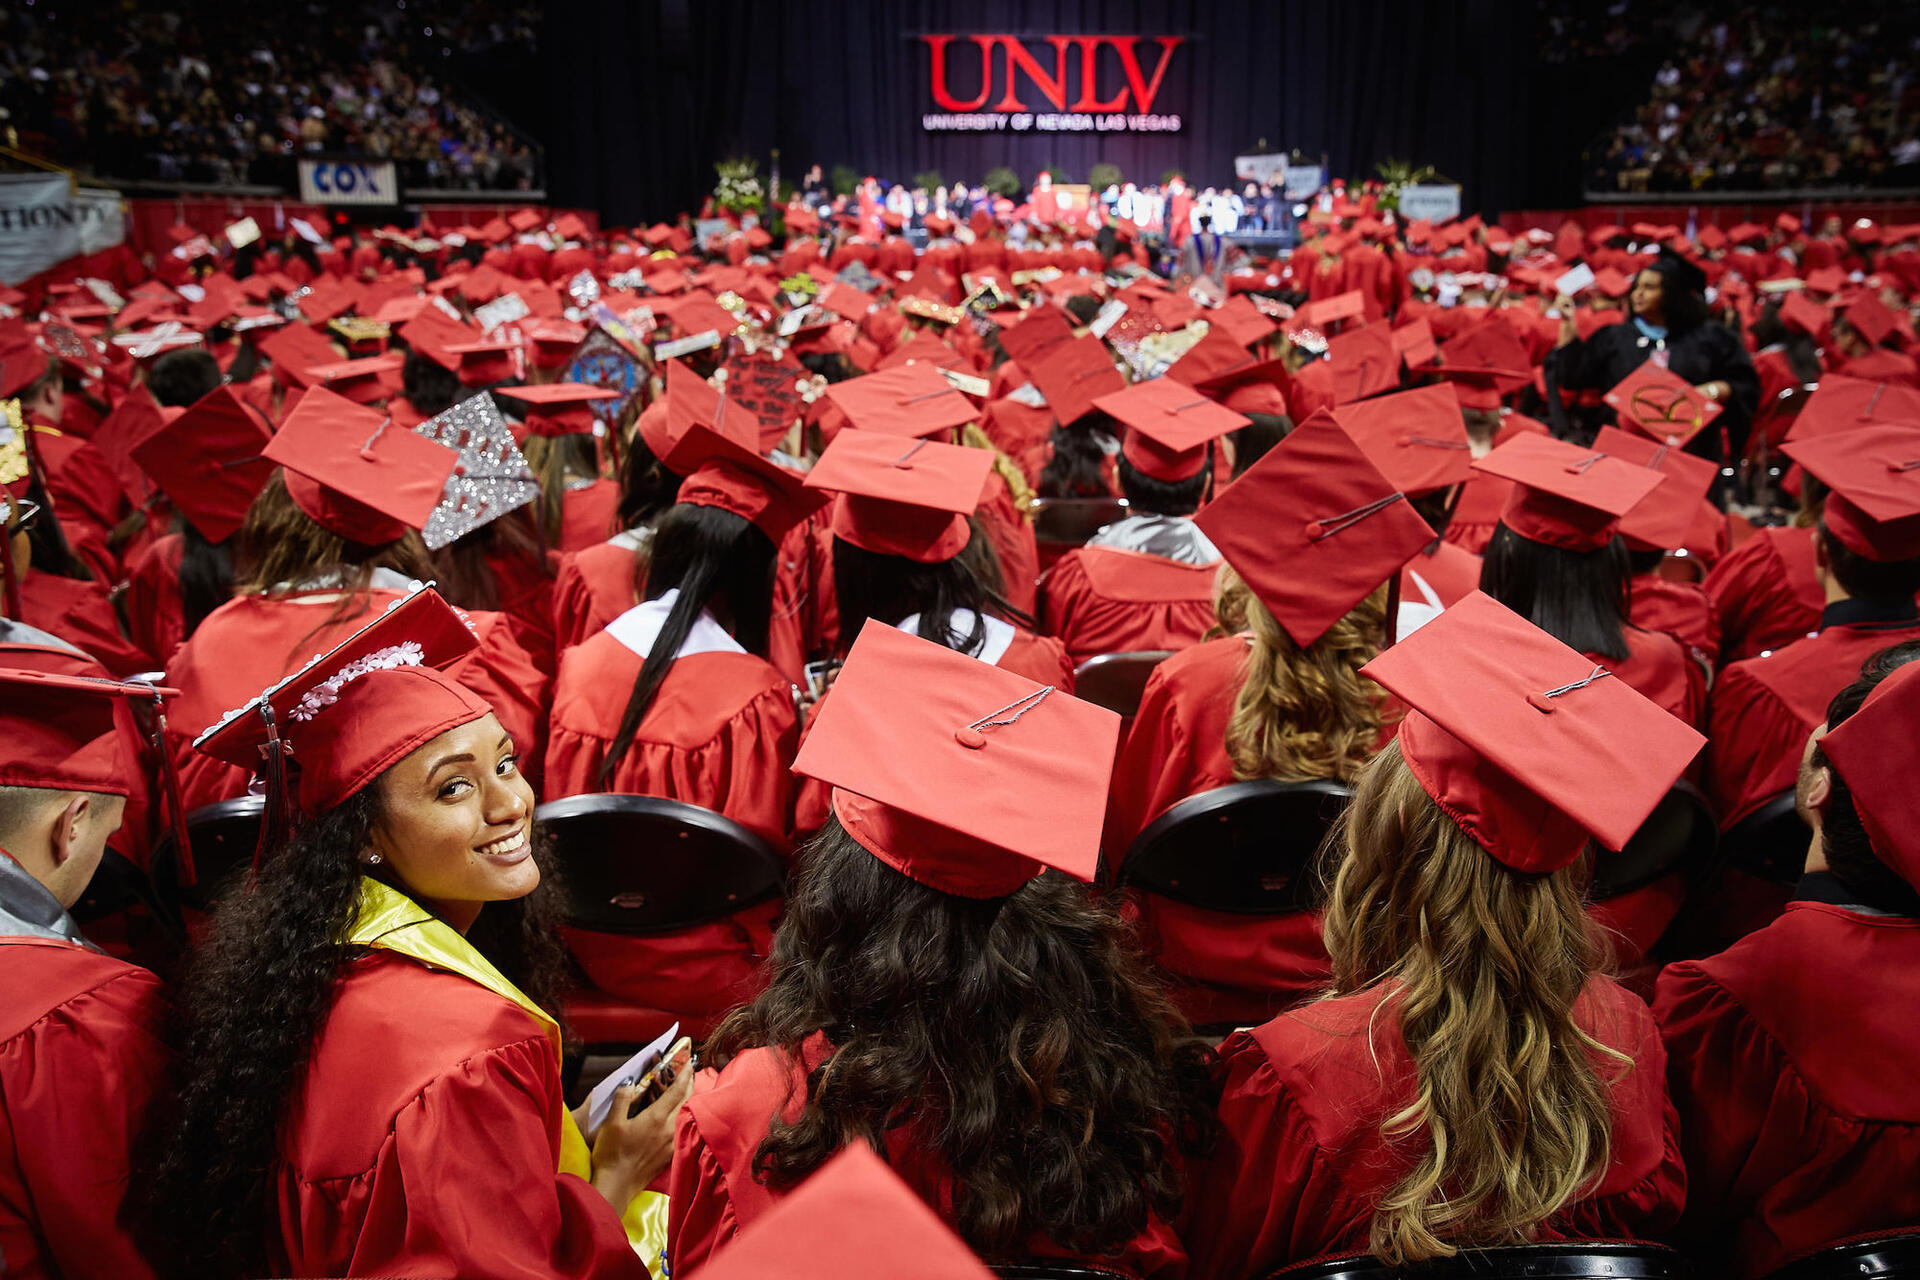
pixel 1434 202
pixel 349 182
pixel 45 219
pixel 1049 84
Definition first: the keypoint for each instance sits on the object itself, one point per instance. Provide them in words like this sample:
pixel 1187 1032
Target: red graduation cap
pixel 909 400
pixel 1042 329
pixel 362 707
pixel 432 331
pixel 1663 518
pixel 722 472
pixel 560 408
pixel 1414 342
pixel 484 362
pixel 1417 438
pixel 1313 527
pixel 1566 496
pixel 902 497
pixel 1847 404
pixel 1874 472
pixel 294 350
pixel 551 343
pixel 1871 318
pixel 1661 405
pixel 1798 311
pixel 1872 751
pixel 1485 363
pixel 1611 283
pixel 1826 280
pixel 960 775
pixel 210 461
pixel 362 381
pixel 57 731
pixel 1073 374
pixel 1257 388
pixel 1213 356
pixel 1345 306
pixel 926 348
pixel 525 220
pixel 568 226
pixel 356 473
pixel 1169 425
pixel 1242 321
pixel 1525 742
pixel 1364 363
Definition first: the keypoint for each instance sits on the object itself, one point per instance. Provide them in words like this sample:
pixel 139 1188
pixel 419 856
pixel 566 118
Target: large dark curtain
pixel 649 93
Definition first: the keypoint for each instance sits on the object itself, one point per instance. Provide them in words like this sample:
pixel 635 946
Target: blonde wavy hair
pixel 1301 714
pixel 1511 1114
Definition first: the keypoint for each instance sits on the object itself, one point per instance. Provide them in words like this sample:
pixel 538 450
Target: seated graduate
pixel 1474 1078
pixel 369 1067
pixel 81 1049
pixel 1146 582
pixel 939 994
pixel 1790 1053
pixel 1309 533
pixel 1556 559
pixel 1671 518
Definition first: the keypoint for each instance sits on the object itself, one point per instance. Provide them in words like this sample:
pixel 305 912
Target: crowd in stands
pixel 1746 97
pixel 204 93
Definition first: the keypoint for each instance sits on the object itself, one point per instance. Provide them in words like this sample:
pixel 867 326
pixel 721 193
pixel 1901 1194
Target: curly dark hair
pixel 248 1015
pixel 1018 1040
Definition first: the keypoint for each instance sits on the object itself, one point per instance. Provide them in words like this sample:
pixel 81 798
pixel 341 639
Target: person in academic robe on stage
pixel 704 719
pixel 369 1065
pixel 1787 1059
pixel 946 991
pixel 1310 533
pixel 81 1034
pixel 330 542
pixel 1146 582
pixel 1867 554
pixel 1474 1078
pixel 1556 559
pixel 1667 322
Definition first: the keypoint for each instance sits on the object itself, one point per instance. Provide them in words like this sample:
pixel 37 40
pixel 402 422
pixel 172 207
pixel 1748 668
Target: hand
pixel 631 1151
pixel 1714 390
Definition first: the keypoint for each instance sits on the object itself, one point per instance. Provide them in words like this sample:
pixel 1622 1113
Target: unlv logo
pixel 1016 79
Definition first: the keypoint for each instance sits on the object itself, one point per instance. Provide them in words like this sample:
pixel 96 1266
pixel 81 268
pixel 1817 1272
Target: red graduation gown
pixel 1791 1058
pixel 1107 600
pixel 424 1139
pixel 80 1056
pixel 1682 610
pixel 593 587
pixel 1764 708
pixel 80 613
pixel 722 733
pixel 1302 1164
pixel 589 515
pixel 86 496
pixel 1765 592
pixel 1659 668
pixel 251 641
pixel 713 1193
pixel 156 615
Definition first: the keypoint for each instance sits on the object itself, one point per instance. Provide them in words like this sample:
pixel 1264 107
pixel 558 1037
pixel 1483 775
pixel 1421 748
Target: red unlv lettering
pixel 1016 59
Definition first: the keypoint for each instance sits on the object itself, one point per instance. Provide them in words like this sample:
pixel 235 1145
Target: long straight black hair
pixel 872 584
pixel 709 555
pixel 1577 597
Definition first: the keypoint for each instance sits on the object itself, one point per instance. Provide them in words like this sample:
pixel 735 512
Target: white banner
pixel 1433 202
pixel 1304 181
pixel 44 221
pixel 1268 168
pixel 349 182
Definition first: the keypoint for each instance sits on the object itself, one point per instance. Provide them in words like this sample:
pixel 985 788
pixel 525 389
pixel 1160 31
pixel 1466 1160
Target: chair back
pixel 223 835
pixel 116 886
pixel 1245 848
pixel 640 865
pixel 1069 522
pixel 1679 835
pixel 1116 680
pixel 1051 1269
pixel 1877 1257
pixel 1571 1260
pixel 1770 843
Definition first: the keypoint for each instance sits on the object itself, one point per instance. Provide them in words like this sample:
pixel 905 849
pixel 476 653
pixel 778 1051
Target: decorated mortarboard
pixel 1169 427
pixel 1416 438
pixel 1566 496
pixel 209 460
pixel 1872 751
pixel 1661 405
pixel 1842 403
pixel 355 711
pixel 1073 375
pixel 1663 518
pixel 149 344
pixel 355 473
pixel 490 477
pixel 1364 363
pixel 910 400
pixel 902 497
pixel 1874 473
pixel 560 408
pixel 1527 744
pixel 1313 527
pixel 915 735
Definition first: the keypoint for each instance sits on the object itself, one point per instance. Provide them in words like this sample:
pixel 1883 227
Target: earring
pixel 373 860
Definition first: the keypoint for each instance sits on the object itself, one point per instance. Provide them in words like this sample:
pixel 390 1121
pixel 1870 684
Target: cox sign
pixel 349 182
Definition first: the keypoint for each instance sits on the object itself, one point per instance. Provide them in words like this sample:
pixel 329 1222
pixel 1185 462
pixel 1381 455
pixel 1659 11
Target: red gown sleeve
pixel 77 1084
pixel 465 1186
pixel 1063 594
pixel 1748 735
pixel 700 1216
pixel 1155 767
pixel 1723 1073
pixel 155 614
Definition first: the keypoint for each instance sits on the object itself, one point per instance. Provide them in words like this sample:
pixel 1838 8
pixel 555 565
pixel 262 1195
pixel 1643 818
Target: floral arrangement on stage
pixel 739 189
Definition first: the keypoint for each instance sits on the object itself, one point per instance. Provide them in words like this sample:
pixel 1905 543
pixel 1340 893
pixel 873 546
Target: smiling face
pixel 1648 298
pixel 456 822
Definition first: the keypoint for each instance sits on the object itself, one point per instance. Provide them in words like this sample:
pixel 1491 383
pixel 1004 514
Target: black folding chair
pixel 1069 522
pixel 1055 1271
pixel 1116 680
pixel 1245 848
pixel 1875 1257
pixel 1574 1260
pixel 1769 843
pixel 1679 835
pixel 117 886
pixel 223 835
